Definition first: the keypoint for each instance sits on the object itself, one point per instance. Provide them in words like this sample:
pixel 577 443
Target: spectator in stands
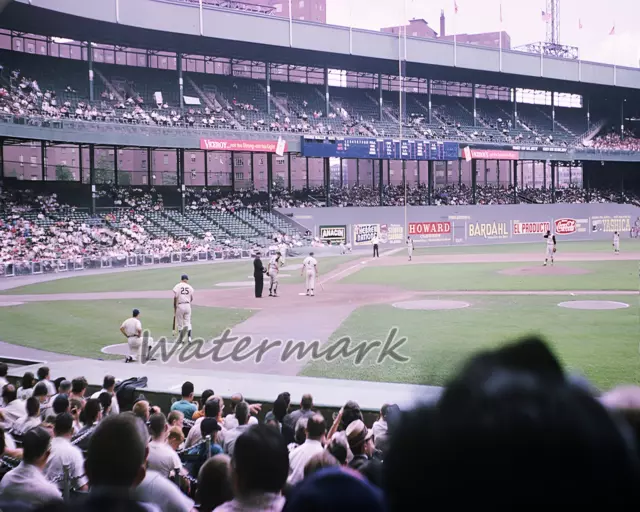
pixel 78 389
pixel 106 403
pixel 26 483
pixel 320 460
pixel 230 420
pixel 276 416
pixel 161 458
pixel 175 419
pixel 109 386
pixel 214 483
pixel 380 428
pixel 305 411
pixel 26 389
pixel 298 458
pixel 175 438
pixel 32 420
pixel 63 453
pixel 13 408
pixel 92 416
pixel 141 410
pixel 349 413
pixel 76 407
pixel 338 450
pixel 41 393
pixel 44 376
pixel 360 440
pixel 260 466
pixel 63 389
pixel 186 405
pixel 300 435
pixel 4 370
pixel 209 427
pixel 231 436
pixel 203 400
pixel 61 404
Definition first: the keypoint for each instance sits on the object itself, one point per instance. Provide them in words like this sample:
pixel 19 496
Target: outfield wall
pixel 469 225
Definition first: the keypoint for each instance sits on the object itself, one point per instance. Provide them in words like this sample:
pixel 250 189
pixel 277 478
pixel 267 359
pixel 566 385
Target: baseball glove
pixel 554 249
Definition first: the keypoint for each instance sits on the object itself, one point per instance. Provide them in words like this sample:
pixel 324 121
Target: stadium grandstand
pixel 151 132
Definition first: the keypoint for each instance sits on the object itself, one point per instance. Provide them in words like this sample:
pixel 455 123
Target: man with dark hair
pixel 32 420
pixel 314 444
pixel 305 411
pixel 4 370
pixel 186 405
pixel 230 420
pixel 231 436
pixel 78 389
pixel 26 483
pixel 14 408
pixel 108 386
pixel 211 411
pixel 63 453
pixel 161 457
pixel 258 275
pixel 92 415
pixel 61 404
pixel 44 376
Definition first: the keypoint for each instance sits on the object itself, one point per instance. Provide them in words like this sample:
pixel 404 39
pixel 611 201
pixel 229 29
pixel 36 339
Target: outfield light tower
pixel 552 46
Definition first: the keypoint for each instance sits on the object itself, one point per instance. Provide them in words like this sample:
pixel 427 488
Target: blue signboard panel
pixel 386 149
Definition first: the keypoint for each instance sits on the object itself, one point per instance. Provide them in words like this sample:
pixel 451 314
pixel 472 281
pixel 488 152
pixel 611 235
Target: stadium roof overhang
pixel 180 27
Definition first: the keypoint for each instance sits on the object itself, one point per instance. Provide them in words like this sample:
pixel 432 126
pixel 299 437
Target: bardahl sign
pixel 255 146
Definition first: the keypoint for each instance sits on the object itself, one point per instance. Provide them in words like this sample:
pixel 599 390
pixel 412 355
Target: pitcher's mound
pixel 593 304
pixel 431 305
pixel 540 270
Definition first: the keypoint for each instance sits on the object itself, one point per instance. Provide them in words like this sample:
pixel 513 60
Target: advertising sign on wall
pixel 391 233
pixel 569 226
pixel 333 234
pixel 258 146
pixel 364 233
pixel 488 230
pixel 610 224
pixel 431 231
pixel 530 228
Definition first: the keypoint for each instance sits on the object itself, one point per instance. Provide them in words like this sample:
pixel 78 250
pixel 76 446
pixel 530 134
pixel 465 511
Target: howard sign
pixel 431 231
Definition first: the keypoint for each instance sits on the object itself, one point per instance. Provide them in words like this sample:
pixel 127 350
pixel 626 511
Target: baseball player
pixel 274 267
pixel 375 241
pixel 410 247
pixel 551 247
pixel 182 299
pixel 616 243
pixel 310 269
pixel 131 329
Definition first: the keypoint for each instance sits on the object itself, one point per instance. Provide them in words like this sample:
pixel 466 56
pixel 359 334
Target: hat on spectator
pixel 337 490
pixel 357 433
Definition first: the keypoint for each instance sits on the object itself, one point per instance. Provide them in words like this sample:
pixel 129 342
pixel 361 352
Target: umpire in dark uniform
pixel 258 275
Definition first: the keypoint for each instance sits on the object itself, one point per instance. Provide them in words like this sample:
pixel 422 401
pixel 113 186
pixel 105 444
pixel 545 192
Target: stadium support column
pixel 380 101
pixel 381 182
pixel 253 183
pixel 341 173
pixel 2 161
pixel 544 174
pixel 289 172
pixel 554 166
pixel 90 62
pixel 459 172
pixel 622 118
pixel 268 80
pixel 269 180
pixel 418 172
pixel 115 166
pixel 357 172
pixel 326 93
pixel 429 182
pixel 473 95
pixel 326 166
pixel 92 176
pixel 150 167
pixel 43 159
pixel 498 172
pixel 404 173
pixel 553 111
pixel 429 100
pixel 515 182
pixel 306 171
pixel 515 108
pixel 180 80
pixel 389 173
pixel 474 180
pixel 181 179
pixel 80 165
pixel 233 171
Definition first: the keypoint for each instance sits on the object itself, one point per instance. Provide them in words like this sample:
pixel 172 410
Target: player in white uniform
pixel 310 269
pixel 274 267
pixel 410 247
pixel 616 243
pixel 551 247
pixel 182 299
pixel 131 329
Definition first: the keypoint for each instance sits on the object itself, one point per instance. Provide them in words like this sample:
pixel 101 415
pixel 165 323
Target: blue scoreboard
pixel 386 149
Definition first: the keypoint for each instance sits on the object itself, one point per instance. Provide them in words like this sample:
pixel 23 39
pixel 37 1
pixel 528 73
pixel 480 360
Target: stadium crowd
pixel 510 415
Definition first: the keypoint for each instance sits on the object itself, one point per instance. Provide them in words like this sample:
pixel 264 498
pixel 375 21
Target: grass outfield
pixel 603 345
pixel 603 247
pixel 603 275
pixel 83 328
pixel 201 276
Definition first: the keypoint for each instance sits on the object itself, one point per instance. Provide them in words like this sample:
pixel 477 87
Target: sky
pixel 522 20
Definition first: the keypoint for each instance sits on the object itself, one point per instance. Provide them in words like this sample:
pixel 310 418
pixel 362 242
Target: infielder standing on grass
pixel 274 267
pixel 551 247
pixel 310 269
pixel 182 299
pixel 132 330
pixel 410 247
pixel 616 243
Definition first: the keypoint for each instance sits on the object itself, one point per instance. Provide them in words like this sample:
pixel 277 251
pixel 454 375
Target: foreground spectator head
pixel 40 391
pixel 158 426
pixel 338 450
pixel 109 383
pixel 242 413
pixel 117 452
pixel 33 406
pixel 214 483
pixel 79 386
pixel 60 404
pixel 43 373
pixel 63 426
pixel 65 387
pixel 106 401
pixel 92 411
pixel 175 419
pixel 506 427
pixel 141 410
pixel 337 490
pixel 360 438
pixel 260 461
pixel 175 438
pixel 350 412
pixel 316 427
pixel 212 409
pixel 9 393
pixel 319 461
pixel 306 403
pixel 36 445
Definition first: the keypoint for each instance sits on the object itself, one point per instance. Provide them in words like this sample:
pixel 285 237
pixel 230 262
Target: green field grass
pixel 201 276
pixel 603 345
pixel 604 275
pixel 83 328
pixel 601 247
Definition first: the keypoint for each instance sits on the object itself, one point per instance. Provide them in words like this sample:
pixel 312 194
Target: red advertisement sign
pixel 566 226
pixel 531 228
pixel 429 228
pixel 489 154
pixel 256 146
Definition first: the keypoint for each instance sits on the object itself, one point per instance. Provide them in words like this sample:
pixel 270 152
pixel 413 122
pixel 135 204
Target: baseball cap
pixel 357 433
pixel 209 426
pixel 136 312
pixel 184 277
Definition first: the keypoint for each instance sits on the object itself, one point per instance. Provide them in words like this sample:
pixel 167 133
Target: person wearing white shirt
pixel 132 330
pixel 26 483
pixel 298 457
pixel 310 270
pixel 162 492
pixel 375 241
pixel 44 376
pixel 13 408
pixel 231 436
pixel 32 420
pixel 63 453
pixel 162 458
pixel 211 410
pixel 108 386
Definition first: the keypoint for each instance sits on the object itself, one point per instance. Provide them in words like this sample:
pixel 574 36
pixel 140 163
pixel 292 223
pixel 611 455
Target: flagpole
pixel 500 37
pixel 351 27
pixel 201 20
pixel 579 50
pixel 290 25
pixel 404 166
pixel 455 44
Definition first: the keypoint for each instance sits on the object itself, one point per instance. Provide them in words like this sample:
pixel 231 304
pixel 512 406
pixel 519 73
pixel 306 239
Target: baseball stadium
pixel 288 205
